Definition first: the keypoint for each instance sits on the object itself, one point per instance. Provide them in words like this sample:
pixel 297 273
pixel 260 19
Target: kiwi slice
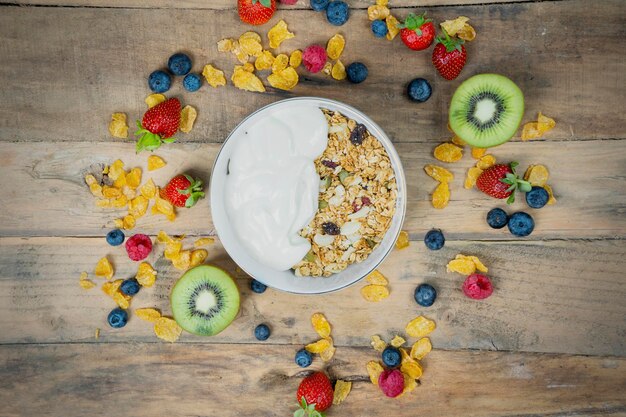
pixel 486 110
pixel 205 300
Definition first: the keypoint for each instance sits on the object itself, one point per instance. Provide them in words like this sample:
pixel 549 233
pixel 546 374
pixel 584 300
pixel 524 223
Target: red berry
pixel 183 190
pixel 449 57
pixel 500 181
pixel 138 247
pixel 316 389
pixel 477 287
pixel 256 12
pixel 158 123
pixel 417 32
pixel 391 382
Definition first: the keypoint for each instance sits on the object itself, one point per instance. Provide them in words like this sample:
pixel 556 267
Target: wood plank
pixel 559 296
pixel 63 85
pixel 161 379
pixel 588 178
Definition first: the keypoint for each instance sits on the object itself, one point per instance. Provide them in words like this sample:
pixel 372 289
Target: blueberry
pixel 117 318
pixel 537 197
pixel 192 82
pixel 357 72
pixel 303 358
pixel 257 287
pixel 179 64
pixel 434 239
pixel 497 218
pixel 331 228
pixel 521 224
pixel 262 332
pixel 159 81
pixel 319 5
pixel 130 286
pixel 379 28
pixel 115 237
pixel 391 357
pixel 337 12
pixel 425 295
pixel 419 90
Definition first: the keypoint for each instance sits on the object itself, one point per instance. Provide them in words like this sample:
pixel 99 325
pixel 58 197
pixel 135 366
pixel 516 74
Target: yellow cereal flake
pixel 213 76
pixel 318 346
pixel 90 179
pixel 128 222
pixel 167 329
pixel 83 275
pixel 264 61
pixel 285 79
pixel 486 161
pixel 133 178
pixel 412 369
pixel 328 68
pixel 162 206
pixel 335 46
pixel 148 314
pixel 421 348
pixel 327 354
pixel 551 200
pixel 239 53
pixel 458 141
pixel 479 265
pixel 104 268
pixel 420 327
pixel 537 175
pixel 280 63
pixel 295 59
pixel 320 325
pixel 96 190
pixel 382 2
pixel 118 127
pixel 463 266
pixel 182 260
pixel 122 300
pixel 535 130
pixel 111 192
pixel 138 206
pixel 378 344
pixel 225 45
pixel 104 203
pixel 377 12
pixel 245 80
pixel 187 117
pixel 467 33
pixel 342 389
pixel 118 223
pixel 248 67
pixel 478 153
pixel 197 257
pixel 148 190
pixel 441 196
pixel 338 72
pixel 447 152
pixel 403 240
pixel 375 277
pixel 374 293
pixel 154 99
pixel 146 275
pixel 97 333
pixel 459 27
pixel 392 27
pixel 397 341
pixel 278 34
pixel 116 169
pixel 204 241
pixel 172 249
pixel 438 173
pixel 374 369
pixel 250 43
pixel 86 284
pixel 409 383
pixel 472 175
pixel 111 287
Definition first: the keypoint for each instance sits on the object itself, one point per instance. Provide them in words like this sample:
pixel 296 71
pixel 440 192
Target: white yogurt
pixel 272 187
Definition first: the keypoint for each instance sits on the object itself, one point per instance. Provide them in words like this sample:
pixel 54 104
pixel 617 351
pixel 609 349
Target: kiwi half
pixel 205 300
pixel 486 110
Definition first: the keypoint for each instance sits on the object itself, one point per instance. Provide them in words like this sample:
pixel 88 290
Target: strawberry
pixel 417 32
pixel 183 191
pixel 158 125
pixel 256 12
pixel 315 394
pixel 449 56
pixel 500 181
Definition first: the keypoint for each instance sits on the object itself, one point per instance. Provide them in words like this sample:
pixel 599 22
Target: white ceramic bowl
pixel 286 280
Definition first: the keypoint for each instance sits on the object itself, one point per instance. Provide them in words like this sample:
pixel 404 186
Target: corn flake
pixel 278 34
pixel 335 46
pixel 342 389
pixel 225 45
pixel 478 153
pixel 148 190
pixel 138 206
pixel 438 173
pixel 245 80
pixel 241 56
pixel 328 354
pixel 118 127
pixel 392 27
pixel 280 63
pixel 167 329
pixel 463 266
pixel 187 117
pixel 472 176
pixel 86 284
pixel 133 178
pixel 122 300
pixel 409 384
pixel 487 161
pixel 551 200
pixel 148 314
pixel 378 344
pixel 203 241
pixel 320 325
pixel 97 334
pixel 328 68
pixel 397 341
pixel 447 152
pixel 115 170
pixel 403 240
pixel 104 268
pixel 412 368
pixel 467 33
pixel 285 79
pixel 535 130
pixel 338 71
pixel 420 327
pixel 264 61
pixel 182 260
pixel 382 2
pixel 479 265
pixel 197 257
pixel 374 292
pixel 374 369
pixel 111 192
pixel 441 196
pixel 248 67
pixel 214 77
pixel 111 287
pixel 250 43
pixel 154 99
pixel 318 346
pixel 375 277
pixel 421 348
pixel 128 222
pixel 377 12
pixel 458 141
pixel 146 275
pixel 295 59
pixel 537 175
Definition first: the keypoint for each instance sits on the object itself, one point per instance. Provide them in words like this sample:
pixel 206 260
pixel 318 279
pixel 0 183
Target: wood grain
pixel 196 380
pixel 63 81
pixel 47 196
pixel 564 297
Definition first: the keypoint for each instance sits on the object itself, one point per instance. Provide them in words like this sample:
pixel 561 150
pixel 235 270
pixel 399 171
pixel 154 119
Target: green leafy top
pixel 415 22
pixel 515 183
pixel 265 3
pixel 307 410
pixel 194 190
pixel 450 43
pixel 148 140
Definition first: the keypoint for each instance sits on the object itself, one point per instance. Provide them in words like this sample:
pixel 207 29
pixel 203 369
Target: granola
pixel 357 199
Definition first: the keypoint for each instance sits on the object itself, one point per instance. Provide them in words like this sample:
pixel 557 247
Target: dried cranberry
pixel 358 134
pixel 330 228
pixel 330 164
pixel 360 202
pixel 366 201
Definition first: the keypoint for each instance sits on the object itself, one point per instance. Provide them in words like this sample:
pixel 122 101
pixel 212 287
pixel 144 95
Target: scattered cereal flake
pixel 155 162
pixel 545 123
pixel 248 67
pixel 338 71
pixel 447 152
pixel 225 45
pixel 463 266
pixel 86 284
pixel 382 2
pixel 403 240
pixel 285 79
pixel 441 196
pixel 118 223
pixel 421 348
pixel 458 141
pixel 409 383
pixel 167 329
pixel 295 59
pixel 535 130
pixel 214 77
pixel 148 190
pixel 148 314
pixel 118 127
pixel 342 389
pixel 104 203
pixel 245 80
pixel 116 169
pixel 438 173
pixel 138 206
pixel 472 175
pixel 378 344
pixel 397 341
pixel 162 206
pixel 479 265
pixel 551 200
pixel 453 26
pixel 278 34
pixel 537 175
pixel 280 63
pixel 182 260
pixel 104 268
pixel 146 275
pixel 374 292
pixel 241 56
pixel 420 327
pixel 327 354
pixel 133 178
pixel 90 179
pixel 377 12
pixel 122 300
pixel 328 68
pixel 154 99
pixel 111 192
pixel 128 222
pixel 111 287
pixel 320 324
pixel 172 249
pixel 204 241
pixel 487 161
pixel 335 46
pixel 412 368
pixel 374 369
pixel 392 27
pixel 478 153
pixel 96 190
pixel 376 277
pixel 467 33
pixel 250 43
pixel 187 116
pixel 97 333
pixel 197 257
pixel 264 61
pixel 318 346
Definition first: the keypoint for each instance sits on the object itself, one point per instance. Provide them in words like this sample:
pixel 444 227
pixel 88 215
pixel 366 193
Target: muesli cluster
pixel 357 200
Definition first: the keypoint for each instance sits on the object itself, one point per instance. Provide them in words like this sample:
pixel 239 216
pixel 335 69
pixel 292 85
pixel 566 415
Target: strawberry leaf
pixel 169 140
pixel 511 199
pixel 524 186
pixel 266 3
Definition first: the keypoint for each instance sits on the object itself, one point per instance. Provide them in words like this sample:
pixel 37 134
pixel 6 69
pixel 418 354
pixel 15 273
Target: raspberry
pixel 391 382
pixel 477 287
pixel 138 247
pixel 314 57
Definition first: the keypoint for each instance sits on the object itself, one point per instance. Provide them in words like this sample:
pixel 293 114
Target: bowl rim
pixel 396 164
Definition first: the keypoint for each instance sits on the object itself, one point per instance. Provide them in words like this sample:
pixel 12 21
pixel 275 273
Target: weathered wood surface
pixel 97 61
pixel 46 194
pixel 195 380
pixel 560 296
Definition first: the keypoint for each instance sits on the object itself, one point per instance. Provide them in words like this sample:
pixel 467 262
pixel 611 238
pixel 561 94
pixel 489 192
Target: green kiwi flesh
pixel 486 110
pixel 205 300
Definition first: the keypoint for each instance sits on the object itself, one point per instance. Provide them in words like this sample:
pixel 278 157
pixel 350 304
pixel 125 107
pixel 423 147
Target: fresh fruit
pixel 434 239
pixel 262 332
pixel 130 287
pixel 315 390
pixel 391 382
pixel 158 125
pixel 356 72
pixel 257 286
pixel 115 237
pixel 521 224
pixel 303 358
pixel 379 28
pixel 537 197
pixel 391 357
pixel 337 12
pixel 497 218
pixel 419 90
pixel 205 300
pixel 425 295
pixel 417 32
pixel 179 64
pixel 117 318
pixel 192 82
pixel 449 57
pixel 256 12
pixel 314 57
pixel 477 287
pixel 138 247
pixel 183 190
pixel 486 110
pixel 501 181
pixel 288 2
pixel 159 81
pixel 331 228
pixel 319 5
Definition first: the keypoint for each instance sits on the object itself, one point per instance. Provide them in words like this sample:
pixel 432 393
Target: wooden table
pixel 550 341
